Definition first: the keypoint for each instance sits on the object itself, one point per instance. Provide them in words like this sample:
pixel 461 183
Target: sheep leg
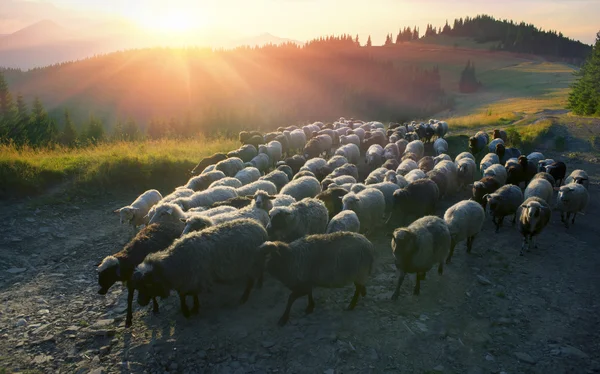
pixel 154 305
pixel 440 268
pixel 184 307
pixel 470 243
pixel 567 220
pixel 523 245
pixel 514 221
pixel 400 280
pixel 129 317
pixel 357 291
pixel 417 289
pixel 363 290
pixel 449 258
pixel 286 314
pixel 249 284
pixel 259 282
pixel 311 303
pixel 499 223
pixel 574 215
pixel 196 305
pixel 562 217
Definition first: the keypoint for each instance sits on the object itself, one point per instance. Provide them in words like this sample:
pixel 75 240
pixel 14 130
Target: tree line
pixel 584 98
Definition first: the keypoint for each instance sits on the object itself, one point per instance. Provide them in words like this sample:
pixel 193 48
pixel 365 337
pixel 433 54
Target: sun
pixel 169 21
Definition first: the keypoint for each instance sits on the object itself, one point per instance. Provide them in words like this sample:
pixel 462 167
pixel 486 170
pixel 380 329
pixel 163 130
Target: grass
pixel 133 166
pixel 526 137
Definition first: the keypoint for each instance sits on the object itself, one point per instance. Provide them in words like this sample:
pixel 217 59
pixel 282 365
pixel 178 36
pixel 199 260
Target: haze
pixel 74 29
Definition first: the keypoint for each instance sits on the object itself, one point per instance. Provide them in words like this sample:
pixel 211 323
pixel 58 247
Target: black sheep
pixel 206 162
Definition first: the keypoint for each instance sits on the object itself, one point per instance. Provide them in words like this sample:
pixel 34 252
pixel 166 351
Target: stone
pixel 102 323
pixel 524 357
pixel 99 370
pixel 483 280
pixel 21 322
pixel 104 350
pixel 201 355
pixel 572 351
pixel 71 330
pixel 16 270
pixel 41 359
pixel 29 219
pixel 43 312
pixel 268 344
pixel 421 326
pixel 489 357
pixel 438 369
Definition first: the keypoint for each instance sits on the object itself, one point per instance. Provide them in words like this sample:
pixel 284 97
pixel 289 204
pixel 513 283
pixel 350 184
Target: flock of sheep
pixel 291 202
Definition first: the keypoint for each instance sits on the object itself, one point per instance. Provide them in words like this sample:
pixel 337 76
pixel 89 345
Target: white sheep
pixel 273 149
pixel 203 181
pixel 535 157
pixel 178 193
pixel 440 146
pixel 464 220
pixel 350 151
pixel 296 140
pixel 230 166
pixel 415 175
pixel 535 215
pixel 578 176
pixel 406 166
pixel 493 143
pixel 441 157
pixel 464 155
pixel 572 198
pixel 394 177
pixel 136 212
pixel 417 147
pixel 248 175
pixel 350 139
pixel 466 169
pixel 386 188
pixel 278 178
pixel 346 220
pixel 376 176
pixel 498 172
pixel 261 161
pixel 391 151
pixel 314 164
pixel 450 171
pixel 250 189
pixel 487 161
pixel 374 156
pixel 302 187
pixel 227 182
pixel 206 198
pixel 541 188
pixel 369 205
pixel 305 217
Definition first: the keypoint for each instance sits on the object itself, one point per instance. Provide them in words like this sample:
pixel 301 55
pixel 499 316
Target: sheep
pixel 208 169
pixel 215 211
pixel 360 133
pixel 406 166
pixel 465 171
pixel 535 215
pixel 425 131
pixel 392 176
pixel 493 143
pixel 558 170
pixel 250 189
pixel 287 170
pixel 197 223
pixel 230 166
pixel 283 200
pixel 120 266
pixel 402 144
pixel 346 220
pixel 136 212
pixel 386 188
pixel 535 157
pixel 347 169
pixel 246 153
pixel 543 163
pixel 227 182
pixel 418 247
pixel 417 147
pixel 464 220
pixel 369 206
pixel 478 142
pixel 414 175
pixel 572 198
pixel 484 187
pixel 320 144
pixel 222 253
pixel 302 187
pixel 206 198
pixel 414 201
pixel 305 217
pixel 440 129
pixel 523 172
pixel 376 176
pixel 500 134
pixel 258 210
pixel 255 140
pixel 391 164
pixel 578 176
pixel 332 134
pixel 506 153
pixel 337 181
pixel 332 198
pixel 296 139
pixel 350 151
pixel 504 202
pixel 440 146
pixel 498 172
pixel 487 161
pixel 464 155
pixel 332 164
pixel 314 164
pixel 261 161
pixel 439 158
pixel 411 136
pixel 244 136
pixel 304 173
pixel 273 149
pixel 510 162
pixel 350 139
pixel 203 181
pixel 539 188
pixel 248 175
pixel 426 164
pixel 326 260
pixel 277 177
pixel 450 170
pixel 391 152
pixel 546 176
pixel 441 181
pixel 235 202
pixel 376 137
pixel 207 161
pixel 295 163
pixel 374 157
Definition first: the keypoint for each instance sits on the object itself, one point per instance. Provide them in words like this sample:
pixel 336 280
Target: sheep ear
pixel 117 211
pixel 184 220
pixel 272 197
pixel 170 211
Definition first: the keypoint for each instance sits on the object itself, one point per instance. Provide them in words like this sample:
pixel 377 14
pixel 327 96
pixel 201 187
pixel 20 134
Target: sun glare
pixel 170 21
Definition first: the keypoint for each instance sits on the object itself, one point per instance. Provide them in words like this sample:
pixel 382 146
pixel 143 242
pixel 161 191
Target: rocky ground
pixel 491 312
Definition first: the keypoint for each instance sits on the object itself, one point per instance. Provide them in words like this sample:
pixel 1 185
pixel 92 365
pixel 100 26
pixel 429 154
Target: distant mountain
pixel 42 32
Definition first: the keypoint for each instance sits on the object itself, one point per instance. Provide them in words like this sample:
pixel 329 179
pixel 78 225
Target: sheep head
pixel 109 272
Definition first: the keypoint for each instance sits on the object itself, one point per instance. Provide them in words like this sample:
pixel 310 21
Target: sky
pixel 303 19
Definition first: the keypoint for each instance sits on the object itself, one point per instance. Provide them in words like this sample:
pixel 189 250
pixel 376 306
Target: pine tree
pixel 415 35
pixel 468 81
pixel 7 109
pixel 42 129
pixel 388 40
pixel 369 44
pixel 446 30
pixel 118 134
pixel 584 98
pixel 68 136
pixel 18 132
pixel 131 131
pixel 357 41
pixel 95 131
pixel 399 37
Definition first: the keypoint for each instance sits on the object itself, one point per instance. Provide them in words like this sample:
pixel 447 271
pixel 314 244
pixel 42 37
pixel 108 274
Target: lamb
pixel 386 188
pixel 572 198
pixel 465 172
pixel 207 161
pixel 246 153
pixel 504 202
pixel 487 161
pixel 414 175
pixel 305 217
pixel 369 206
pixel 484 187
pixel 439 178
pixel 273 149
pixel 262 162
pixel 230 166
pixel 426 164
pixel 376 176
pixel 136 212
pixel 535 215
pixel 440 146
pixel 545 176
pixel 317 146
pixel 223 253
pixel 206 198
pixel 578 176
pixel 415 201
pixel 418 247
pixel 558 170
pixel 277 177
pixel 539 188
pixel 417 147
pixel 493 143
pixel 337 181
pixel 464 220
pixel 375 156
pixel 506 153
pixel 250 189
pixel 178 193
pixel 464 155
pixel 332 198
pixel 498 172
pixel 346 221
pixel 350 151
pixel 478 142
pixel 406 166
pixel 500 134
pixel 450 170
pixel 391 152
pixel 120 266
pixel 313 165
pixel 326 260
pixel 350 139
